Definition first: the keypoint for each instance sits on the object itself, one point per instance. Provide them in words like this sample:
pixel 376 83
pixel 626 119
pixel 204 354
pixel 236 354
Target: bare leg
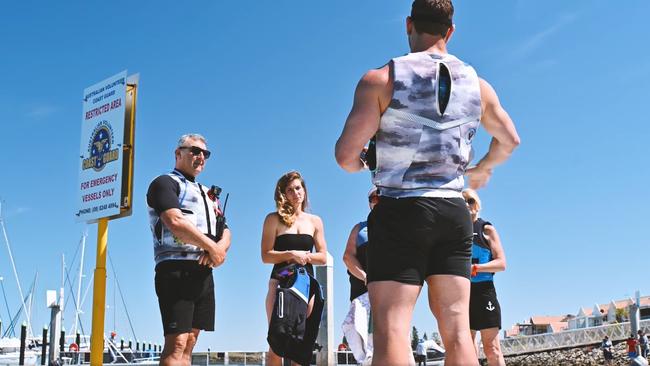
pixel 270 298
pixel 271 358
pixel 310 306
pixel 449 302
pixel 474 341
pixel 189 346
pixel 492 346
pixel 392 310
pixel 172 354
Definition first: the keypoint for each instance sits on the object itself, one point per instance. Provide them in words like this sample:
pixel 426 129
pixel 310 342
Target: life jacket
pixel 481 251
pixel 358 287
pixel 291 333
pixel 198 208
pixel 424 141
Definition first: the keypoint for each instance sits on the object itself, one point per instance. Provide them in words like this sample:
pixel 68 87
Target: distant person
pixel 643 343
pixel 184 222
pixel 488 257
pixel 421 353
pixel 423 110
pixel 424 347
pixel 632 342
pixel 606 346
pixel 356 324
pixel 289 236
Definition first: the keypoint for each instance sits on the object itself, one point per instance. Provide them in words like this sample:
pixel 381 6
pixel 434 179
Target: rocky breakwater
pixel 584 356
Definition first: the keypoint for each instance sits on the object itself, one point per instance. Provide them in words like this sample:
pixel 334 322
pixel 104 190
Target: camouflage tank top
pixel 424 138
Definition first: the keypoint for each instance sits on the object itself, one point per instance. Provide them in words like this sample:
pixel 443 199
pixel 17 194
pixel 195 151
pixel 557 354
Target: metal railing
pixel 567 339
pixel 231 358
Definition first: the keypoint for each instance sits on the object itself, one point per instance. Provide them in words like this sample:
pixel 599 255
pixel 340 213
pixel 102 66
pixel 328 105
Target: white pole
pixel 55 333
pixel 13 266
pixel 81 268
pixel 31 301
pixel 61 292
pixel 325 276
pixel 635 314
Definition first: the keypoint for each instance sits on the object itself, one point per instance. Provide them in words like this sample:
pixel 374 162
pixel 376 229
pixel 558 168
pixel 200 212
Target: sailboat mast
pixel 81 269
pixel 13 267
pixel 61 293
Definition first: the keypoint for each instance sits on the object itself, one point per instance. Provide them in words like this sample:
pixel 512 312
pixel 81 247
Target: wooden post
pixel 23 338
pixel 44 346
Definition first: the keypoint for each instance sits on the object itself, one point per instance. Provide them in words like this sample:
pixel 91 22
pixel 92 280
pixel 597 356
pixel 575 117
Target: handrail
pixel 567 339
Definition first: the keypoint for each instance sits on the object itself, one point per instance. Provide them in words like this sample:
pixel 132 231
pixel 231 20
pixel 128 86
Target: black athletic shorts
pixel 185 292
pixel 484 309
pixel 416 237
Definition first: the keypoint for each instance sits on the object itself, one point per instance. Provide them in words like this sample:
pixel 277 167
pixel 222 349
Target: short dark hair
pixel 432 16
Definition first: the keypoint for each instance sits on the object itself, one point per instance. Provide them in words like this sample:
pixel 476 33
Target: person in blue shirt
pixel 356 324
pixel 488 257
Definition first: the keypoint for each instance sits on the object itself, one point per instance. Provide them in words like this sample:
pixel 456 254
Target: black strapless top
pixel 286 242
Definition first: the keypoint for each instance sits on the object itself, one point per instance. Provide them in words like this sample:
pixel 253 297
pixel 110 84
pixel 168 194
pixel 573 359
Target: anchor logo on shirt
pixel 490 307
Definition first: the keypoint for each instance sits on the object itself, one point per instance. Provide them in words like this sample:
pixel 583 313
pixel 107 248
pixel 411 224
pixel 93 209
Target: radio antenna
pixel 225 203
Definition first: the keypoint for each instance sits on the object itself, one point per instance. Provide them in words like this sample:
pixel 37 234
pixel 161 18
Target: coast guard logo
pixel 99 148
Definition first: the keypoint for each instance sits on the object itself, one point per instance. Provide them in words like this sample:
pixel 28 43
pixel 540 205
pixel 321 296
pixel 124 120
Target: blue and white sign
pixel 100 163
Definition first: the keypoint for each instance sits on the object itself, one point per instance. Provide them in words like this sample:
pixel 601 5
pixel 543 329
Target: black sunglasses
pixel 195 150
pixel 470 201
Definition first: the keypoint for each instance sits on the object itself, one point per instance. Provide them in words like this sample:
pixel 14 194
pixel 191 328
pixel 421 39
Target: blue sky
pixel 270 84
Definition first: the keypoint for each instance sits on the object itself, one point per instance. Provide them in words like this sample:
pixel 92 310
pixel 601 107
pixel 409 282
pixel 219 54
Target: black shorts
pixel 608 355
pixel 185 292
pixel 416 237
pixel 484 309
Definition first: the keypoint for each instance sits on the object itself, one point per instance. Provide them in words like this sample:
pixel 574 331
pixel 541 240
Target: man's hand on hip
pixel 478 176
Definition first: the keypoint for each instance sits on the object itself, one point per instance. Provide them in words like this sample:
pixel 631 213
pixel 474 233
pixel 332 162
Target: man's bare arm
pixel 225 240
pixel 363 120
pixel 188 233
pixel 505 139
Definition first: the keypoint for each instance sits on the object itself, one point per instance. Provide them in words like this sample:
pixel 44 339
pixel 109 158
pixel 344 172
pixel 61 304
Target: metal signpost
pixel 105 176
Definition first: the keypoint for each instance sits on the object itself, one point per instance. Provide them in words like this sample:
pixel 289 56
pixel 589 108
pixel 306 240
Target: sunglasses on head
pixel 195 150
pixel 470 201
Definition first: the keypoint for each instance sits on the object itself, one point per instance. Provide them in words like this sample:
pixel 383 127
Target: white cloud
pixel 41 111
pixel 7 213
pixel 537 40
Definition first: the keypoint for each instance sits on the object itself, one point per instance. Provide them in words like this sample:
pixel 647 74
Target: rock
pixel 582 356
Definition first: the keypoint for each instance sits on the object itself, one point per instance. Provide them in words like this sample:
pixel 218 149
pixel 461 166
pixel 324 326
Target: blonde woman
pixel 488 257
pixel 291 236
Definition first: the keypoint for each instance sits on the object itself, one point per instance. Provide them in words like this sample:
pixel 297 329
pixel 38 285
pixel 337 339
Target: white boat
pixel 10 347
pixel 10 353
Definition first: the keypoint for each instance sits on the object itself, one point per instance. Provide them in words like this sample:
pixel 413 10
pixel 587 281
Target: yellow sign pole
pixel 99 296
pixel 99 289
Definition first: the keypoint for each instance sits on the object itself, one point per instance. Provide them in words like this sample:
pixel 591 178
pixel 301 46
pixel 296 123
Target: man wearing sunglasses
pixel 423 110
pixel 183 219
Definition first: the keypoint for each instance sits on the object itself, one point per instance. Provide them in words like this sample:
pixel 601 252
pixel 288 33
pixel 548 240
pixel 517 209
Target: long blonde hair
pixel 285 210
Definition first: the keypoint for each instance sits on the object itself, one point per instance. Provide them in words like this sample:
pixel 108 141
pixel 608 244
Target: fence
pixel 568 338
